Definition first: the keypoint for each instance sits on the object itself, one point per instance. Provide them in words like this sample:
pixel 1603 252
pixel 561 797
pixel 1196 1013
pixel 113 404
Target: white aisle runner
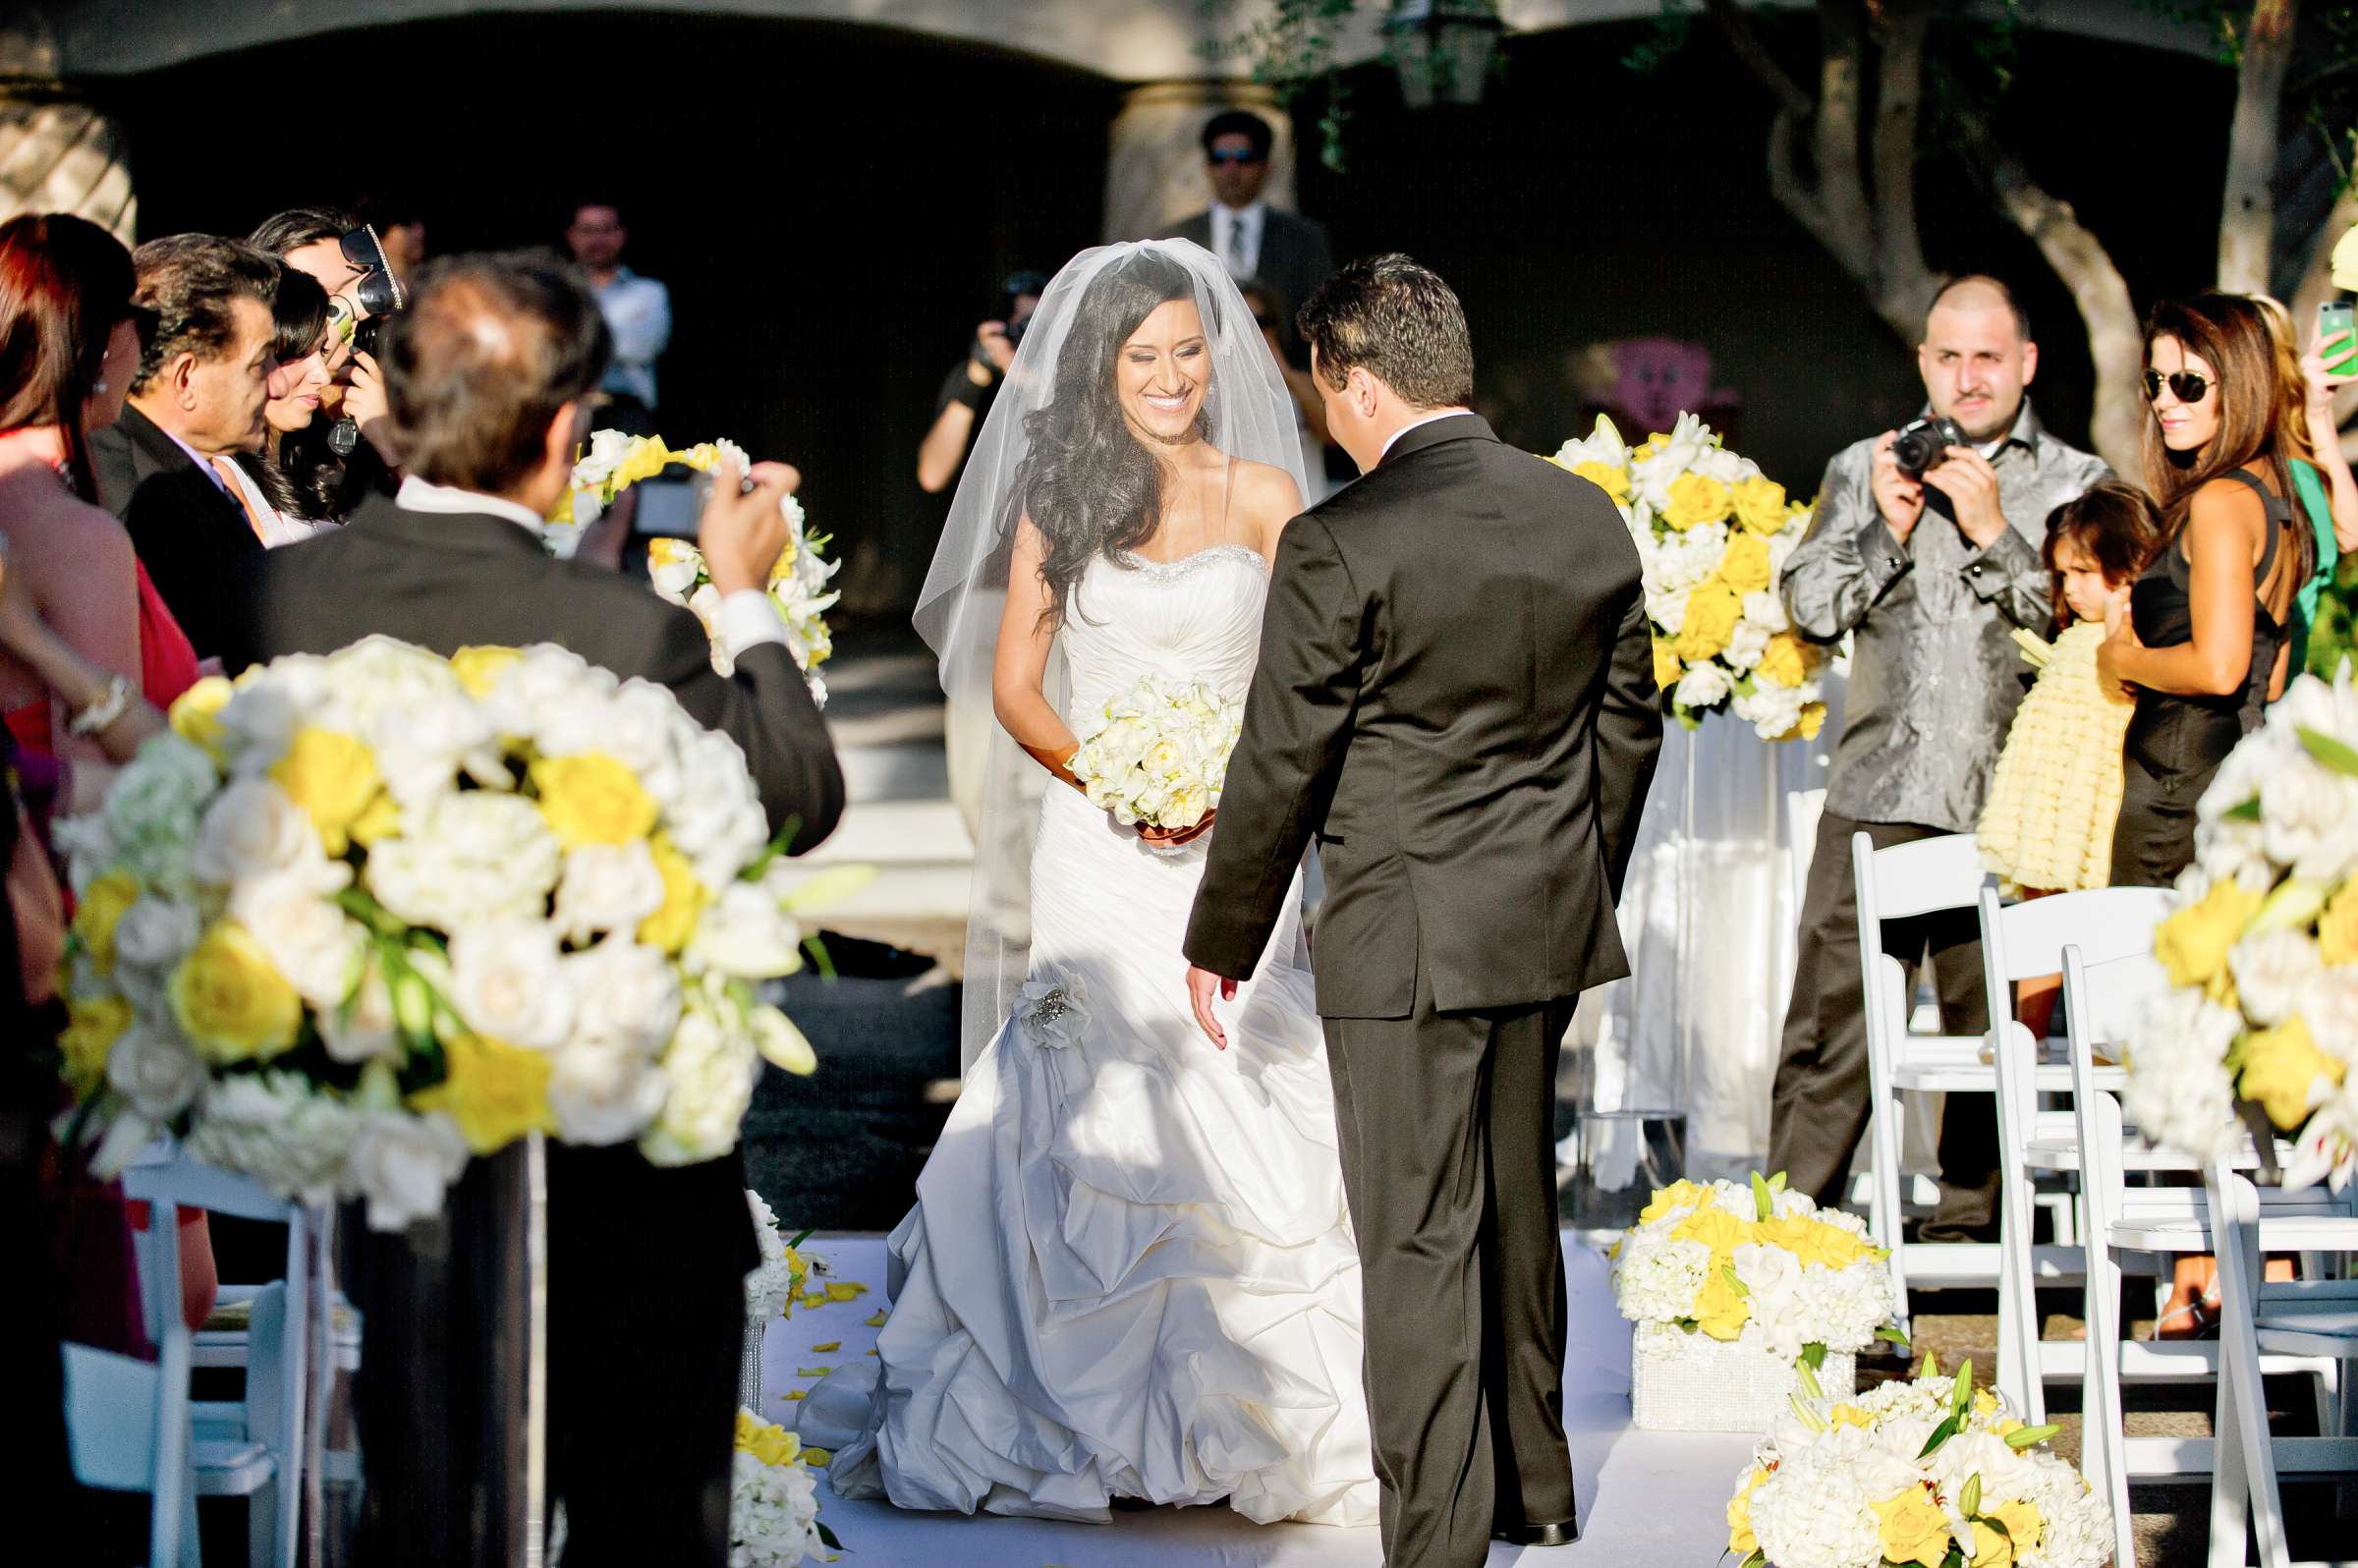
pixel 1647 1500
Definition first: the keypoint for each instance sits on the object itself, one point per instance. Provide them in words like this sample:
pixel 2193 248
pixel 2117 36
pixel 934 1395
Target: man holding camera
pixel 1924 549
pixel 969 391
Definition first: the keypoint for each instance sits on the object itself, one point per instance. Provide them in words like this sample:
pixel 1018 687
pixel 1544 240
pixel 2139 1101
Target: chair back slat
pixel 110 1419
pixel 2105 923
pixel 1929 874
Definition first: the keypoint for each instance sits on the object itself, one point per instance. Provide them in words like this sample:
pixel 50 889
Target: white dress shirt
pixel 745 618
pixel 1239 251
pixel 638 312
pixel 1421 418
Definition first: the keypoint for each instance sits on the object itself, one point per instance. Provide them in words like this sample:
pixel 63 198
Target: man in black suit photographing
pixel 1455 697
pixel 490 377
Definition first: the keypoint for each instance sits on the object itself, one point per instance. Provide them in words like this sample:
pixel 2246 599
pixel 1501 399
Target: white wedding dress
pixel 1130 1270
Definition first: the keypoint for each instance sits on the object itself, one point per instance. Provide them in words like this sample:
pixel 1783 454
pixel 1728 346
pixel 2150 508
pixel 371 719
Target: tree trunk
pixel 2248 208
pixel 1902 285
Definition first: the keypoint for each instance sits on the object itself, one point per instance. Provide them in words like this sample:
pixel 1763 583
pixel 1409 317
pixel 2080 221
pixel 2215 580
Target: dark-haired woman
pixel 2203 643
pixel 293 487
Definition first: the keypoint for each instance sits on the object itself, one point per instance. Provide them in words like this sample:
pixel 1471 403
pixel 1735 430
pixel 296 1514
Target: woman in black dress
pixel 2203 643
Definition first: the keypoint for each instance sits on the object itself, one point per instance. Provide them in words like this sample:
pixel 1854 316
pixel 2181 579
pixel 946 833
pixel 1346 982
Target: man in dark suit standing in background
pixel 1284 251
pixel 1455 696
pixel 206 366
pixel 489 376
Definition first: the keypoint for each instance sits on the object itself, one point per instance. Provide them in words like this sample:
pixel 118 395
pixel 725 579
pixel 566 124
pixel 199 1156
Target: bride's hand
pixel 1171 837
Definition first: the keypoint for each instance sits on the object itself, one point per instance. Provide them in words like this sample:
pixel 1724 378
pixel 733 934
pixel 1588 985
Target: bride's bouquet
pixel 1926 1471
pixel 2262 950
pixel 1755 1265
pixel 1712 532
pixel 360 916
pixel 1157 754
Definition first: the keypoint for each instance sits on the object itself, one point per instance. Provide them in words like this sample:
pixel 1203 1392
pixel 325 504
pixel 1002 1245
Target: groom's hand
pixel 1204 987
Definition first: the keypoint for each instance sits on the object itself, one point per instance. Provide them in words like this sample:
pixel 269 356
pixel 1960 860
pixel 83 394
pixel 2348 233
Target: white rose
pixel 1771 1277
pixel 2270 968
pixel 1763 609
pixel 2329 1005
pixel 1746 645
pixel 258 723
pixel 403 1164
pixel 627 995
pixel 1703 684
pixel 422 745
pixel 155 1070
pixel 310 940
pixel 278 1129
pixel 711 1071
pixel 472 855
pixel 743 932
pixel 506 982
pixel 2306 817
pixel 676 574
pixel 250 827
pixel 604 1094
pixel 155 933
pixel 607 887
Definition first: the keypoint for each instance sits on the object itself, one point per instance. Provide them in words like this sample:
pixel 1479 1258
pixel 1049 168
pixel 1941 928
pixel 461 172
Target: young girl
pixel 2048 826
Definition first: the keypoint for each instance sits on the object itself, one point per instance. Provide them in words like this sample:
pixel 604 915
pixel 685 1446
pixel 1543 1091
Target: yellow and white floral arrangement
pixel 1755 1265
pixel 2262 950
pixel 357 918
pixel 1930 1472
pixel 773 1500
pixel 1157 754
pixel 1713 532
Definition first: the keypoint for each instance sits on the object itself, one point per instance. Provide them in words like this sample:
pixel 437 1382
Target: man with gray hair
pixel 1930 573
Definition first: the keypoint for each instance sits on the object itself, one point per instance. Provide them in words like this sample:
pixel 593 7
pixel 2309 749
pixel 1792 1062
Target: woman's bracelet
pixel 108 705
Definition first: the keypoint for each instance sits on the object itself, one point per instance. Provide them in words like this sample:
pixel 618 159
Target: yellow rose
pixel 1613 482
pixel 2193 943
pixel 1712 611
pixel 2337 928
pixel 593 799
pixel 2007 1428
pixel 1914 1528
pixel 1720 1311
pixel 1653 443
pixel 332 776
pixel 1985 1403
pixel 1666 666
pixel 1740 1539
pixel 479 665
pixel 196 713
pixel 100 910
pixel 646 458
pixel 1851 1416
pixel 93 1024
pixel 382 819
pixel 1715 1228
pixel 2023 1525
pixel 1806 728
pixel 2279 1065
pixel 1786 662
pixel 1744 565
pixel 1760 505
pixel 770 1444
pixel 1813 1240
pixel 683 898
pixel 229 999
pixel 1696 499
pixel 1678 1195
pixel 495 1091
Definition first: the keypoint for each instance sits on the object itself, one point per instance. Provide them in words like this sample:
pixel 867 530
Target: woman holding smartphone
pixel 2322 480
pixel 2203 642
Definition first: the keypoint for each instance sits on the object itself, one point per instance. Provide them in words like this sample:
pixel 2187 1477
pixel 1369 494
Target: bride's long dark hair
pixel 1088 483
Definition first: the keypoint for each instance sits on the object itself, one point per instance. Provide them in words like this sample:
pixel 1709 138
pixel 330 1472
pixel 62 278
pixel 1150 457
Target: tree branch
pixel 1902 285
pixel 1737 29
pixel 2248 207
pixel 1842 184
pixel 1786 182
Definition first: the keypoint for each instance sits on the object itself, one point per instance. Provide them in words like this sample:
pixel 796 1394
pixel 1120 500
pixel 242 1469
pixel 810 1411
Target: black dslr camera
pixel 359 314
pixel 1924 444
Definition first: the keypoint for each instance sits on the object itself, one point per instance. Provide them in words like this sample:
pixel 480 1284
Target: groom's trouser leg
pixel 1422 1125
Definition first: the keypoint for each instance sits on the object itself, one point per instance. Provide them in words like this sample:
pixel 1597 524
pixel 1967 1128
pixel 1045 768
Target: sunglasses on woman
pixel 2187 386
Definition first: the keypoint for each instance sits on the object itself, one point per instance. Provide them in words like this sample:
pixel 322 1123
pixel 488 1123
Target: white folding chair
pixel 254 1447
pixel 2112 928
pixel 114 1417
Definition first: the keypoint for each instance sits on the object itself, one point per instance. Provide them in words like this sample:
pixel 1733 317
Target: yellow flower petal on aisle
pixel 478 666
pixel 590 798
pixel 1744 566
pixel 1913 1528
pixel 1712 611
pixel 683 898
pixel 2192 944
pixel 1786 662
pixel 1760 506
pixel 874 1319
pixel 196 713
pixel 230 1000
pixel 100 910
pixel 2280 1066
pixel 1740 1539
pixel 845 1290
pixel 496 1093
pixel 832 1344
pixel 1696 499
pixel 767 1441
pixel 332 776
pixel 92 1025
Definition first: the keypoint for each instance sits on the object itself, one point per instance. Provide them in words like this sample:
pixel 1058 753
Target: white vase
pixel 749 1365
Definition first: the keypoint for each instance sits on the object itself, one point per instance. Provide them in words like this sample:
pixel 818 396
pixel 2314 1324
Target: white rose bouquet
pixel 773 1500
pixel 1157 754
pixel 1713 532
pixel 2262 950
pixel 1755 1265
pixel 1930 1470
pixel 359 916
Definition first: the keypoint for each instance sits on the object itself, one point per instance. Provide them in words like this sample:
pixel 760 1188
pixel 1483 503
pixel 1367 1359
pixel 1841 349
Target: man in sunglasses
pixel 1252 239
pixel 1930 575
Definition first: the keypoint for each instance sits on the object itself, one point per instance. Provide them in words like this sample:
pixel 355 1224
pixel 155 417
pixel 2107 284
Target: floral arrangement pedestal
pixel 1682 1381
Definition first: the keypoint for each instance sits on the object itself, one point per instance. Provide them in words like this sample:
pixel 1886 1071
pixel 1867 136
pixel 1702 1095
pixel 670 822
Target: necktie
pixel 1237 263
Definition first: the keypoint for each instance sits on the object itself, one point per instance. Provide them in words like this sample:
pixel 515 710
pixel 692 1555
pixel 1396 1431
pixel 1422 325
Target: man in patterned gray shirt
pixel 1931 576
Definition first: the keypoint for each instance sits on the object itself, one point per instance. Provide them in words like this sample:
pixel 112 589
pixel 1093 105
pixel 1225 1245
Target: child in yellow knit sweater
pixel 2048 824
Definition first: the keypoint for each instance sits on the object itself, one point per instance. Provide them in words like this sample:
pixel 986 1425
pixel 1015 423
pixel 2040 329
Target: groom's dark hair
pixel 1400 323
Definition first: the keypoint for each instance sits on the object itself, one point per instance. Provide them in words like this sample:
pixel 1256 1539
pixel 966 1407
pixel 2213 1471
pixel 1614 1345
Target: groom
pixel 1456 698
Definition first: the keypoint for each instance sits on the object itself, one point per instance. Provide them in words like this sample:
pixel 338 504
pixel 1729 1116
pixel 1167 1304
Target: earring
pixel 98 387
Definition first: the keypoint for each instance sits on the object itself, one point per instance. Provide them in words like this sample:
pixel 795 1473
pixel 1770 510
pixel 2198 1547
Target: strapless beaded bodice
pixel 1196 618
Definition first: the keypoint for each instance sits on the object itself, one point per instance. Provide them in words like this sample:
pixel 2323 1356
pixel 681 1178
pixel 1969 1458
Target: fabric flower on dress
pixel 1053 1012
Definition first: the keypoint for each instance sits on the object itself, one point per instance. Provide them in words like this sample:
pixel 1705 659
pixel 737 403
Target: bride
pixel 1129 1272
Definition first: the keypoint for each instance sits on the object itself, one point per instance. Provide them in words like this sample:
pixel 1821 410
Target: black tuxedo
pixel 646 1266
pixel 1295 257
pixel 1455 696
pixel 194 539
